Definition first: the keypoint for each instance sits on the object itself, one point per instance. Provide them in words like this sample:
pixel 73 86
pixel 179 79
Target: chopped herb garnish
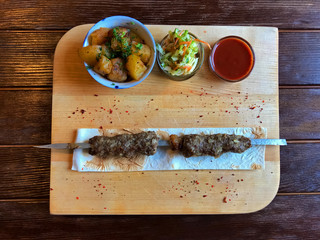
pixel 132 23
pixel 88 67
pixel 139 46
pixel 98 56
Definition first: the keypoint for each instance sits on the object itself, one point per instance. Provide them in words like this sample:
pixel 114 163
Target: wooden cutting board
pixel 202 101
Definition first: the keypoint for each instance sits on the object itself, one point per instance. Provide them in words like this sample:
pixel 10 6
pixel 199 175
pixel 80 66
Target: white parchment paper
pixel 166 159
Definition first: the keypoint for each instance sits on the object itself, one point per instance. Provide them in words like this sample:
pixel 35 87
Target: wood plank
pixel 27 57
pixel 25 117
pixel 25 172
pixel 24 64
pixel 287 217
pixel 299 113
pixel 300 168
pixel 299 58
pixel 67 14
pixel 299 171
pixel 73 84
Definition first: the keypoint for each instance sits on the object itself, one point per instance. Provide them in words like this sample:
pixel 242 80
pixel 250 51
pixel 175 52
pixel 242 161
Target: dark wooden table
pixel 29 32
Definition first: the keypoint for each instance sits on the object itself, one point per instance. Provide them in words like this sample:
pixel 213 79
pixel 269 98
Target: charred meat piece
pixel 212 145
pixel 124 145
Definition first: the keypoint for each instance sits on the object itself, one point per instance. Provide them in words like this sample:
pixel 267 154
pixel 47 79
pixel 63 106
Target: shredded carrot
pixel 177 39
pixel 187 67
pixel 185 50
pixel 189 42
pixel 203 42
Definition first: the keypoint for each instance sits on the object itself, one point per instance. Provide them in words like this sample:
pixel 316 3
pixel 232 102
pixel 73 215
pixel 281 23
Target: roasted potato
pixel 120 39
pixel 135 67
pixel 104 66
pixel 90 54
pixel 99 36
pixel 141 50
pixel 134 37
pixel 118 72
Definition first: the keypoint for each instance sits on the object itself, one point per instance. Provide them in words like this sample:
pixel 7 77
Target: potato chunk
pixel 120 39
pixel 104 66
pixel 118 72
pixel 90 54
pixel 135 67
pixel 99 36
pixel 141 50
pixel 134 37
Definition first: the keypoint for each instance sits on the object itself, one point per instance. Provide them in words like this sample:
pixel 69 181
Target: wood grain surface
pixel 203 101
pixel 280 220
pixel 67 14
pixel 29 32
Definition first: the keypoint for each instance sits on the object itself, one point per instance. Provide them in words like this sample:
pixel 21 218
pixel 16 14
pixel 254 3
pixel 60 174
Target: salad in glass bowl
pixel 180 54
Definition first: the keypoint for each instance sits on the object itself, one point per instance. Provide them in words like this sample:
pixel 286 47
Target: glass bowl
pixel 232 58
pixel 183 77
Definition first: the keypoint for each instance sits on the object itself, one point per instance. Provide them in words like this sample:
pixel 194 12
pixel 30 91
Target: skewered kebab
pixel 212 145
pixel 124 145
pixel 146 143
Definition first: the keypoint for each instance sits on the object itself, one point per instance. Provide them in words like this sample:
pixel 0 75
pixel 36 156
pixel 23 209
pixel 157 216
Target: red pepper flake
pixel 258 116
pixel 101 127
pixel 207 183
pixel 77 198
pixel 110 121
pixel 204 196
pixel 126 111
pixel 101 107
pixel 69 116
pixel 96 95
pixel 181 196
pixel 51 189
pixel 157 109
pixel 82 169
pixel 218 179
pixel 104 186
pixel 241 180
pixel 212 186
pixel 229 199
pixel 225 199
pixel 105 208
pixel 74 113
pixel 252 108
pixel 201 116
pixel 204 31
pixel 82 111
pixel 260 121
pixel 110 111
pixel 226 111
pixel 263 101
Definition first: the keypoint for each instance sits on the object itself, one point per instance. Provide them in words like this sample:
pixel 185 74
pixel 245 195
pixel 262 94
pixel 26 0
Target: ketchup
pixel 232 58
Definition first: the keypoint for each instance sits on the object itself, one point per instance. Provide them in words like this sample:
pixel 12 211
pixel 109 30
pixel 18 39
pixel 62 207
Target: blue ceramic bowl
pixel 137 27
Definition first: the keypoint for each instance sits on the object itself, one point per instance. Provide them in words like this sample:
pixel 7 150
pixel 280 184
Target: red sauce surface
pixel 232 59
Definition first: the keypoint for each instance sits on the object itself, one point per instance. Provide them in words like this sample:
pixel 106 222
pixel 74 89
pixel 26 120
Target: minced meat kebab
pixel 124 145
pixel 146 143
pixel 212 145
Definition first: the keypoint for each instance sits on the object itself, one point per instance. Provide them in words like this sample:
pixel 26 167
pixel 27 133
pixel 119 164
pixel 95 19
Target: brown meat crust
pixel 212 145
pixel 124 145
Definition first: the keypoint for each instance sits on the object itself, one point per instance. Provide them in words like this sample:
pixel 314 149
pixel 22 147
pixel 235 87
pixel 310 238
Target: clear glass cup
pixel 216 45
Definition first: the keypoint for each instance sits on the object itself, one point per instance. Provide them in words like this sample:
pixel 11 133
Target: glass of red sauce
pixel 232 58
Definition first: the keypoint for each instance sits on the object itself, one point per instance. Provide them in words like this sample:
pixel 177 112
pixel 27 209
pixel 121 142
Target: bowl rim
pixel 185 77
pixel 121 85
